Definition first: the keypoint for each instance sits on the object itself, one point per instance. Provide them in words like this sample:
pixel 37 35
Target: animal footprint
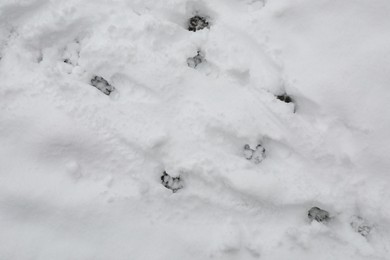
pixel 196 60
pixel 361 226
pixel 197 23
pixel 256 155
pixel 172 183
pixel 101 84
pixel 318 215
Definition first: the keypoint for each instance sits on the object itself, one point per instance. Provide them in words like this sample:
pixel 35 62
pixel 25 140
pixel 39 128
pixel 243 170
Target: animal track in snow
pixel 285 98
pixel 256 155
pixel 361 226
pixel 172 183
pixel 196 60
pixel 71 53
pixel 101 84
pixel 318 215
pixel 197 23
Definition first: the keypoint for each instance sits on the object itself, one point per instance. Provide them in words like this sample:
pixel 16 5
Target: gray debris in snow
pixel 101 84
pixel 256 155
pixel 318 215
pixel 196 60
pixel 360 226
pixel 197 23
pixel 172 183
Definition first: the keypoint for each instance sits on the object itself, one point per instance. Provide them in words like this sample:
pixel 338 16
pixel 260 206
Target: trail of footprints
pixel 357 223
pixel 256 154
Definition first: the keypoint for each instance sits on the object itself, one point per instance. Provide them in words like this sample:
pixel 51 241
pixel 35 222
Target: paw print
pixel 172 183
pixel 361 226
pixel 197 23
pixel 256 155
pixel 71 53
pixel 318 215
pixel 196 60
pixel 101 84
pixel 285 98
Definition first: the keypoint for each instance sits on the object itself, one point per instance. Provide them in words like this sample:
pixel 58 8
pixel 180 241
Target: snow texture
pixel 81 164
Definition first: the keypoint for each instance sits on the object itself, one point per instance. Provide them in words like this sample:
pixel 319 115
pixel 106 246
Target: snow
pixel 81 170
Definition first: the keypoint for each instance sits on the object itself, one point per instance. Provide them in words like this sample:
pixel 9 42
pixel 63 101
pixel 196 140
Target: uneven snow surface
pixel 81 170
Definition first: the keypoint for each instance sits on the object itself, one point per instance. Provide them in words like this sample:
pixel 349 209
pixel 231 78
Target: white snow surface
pixel 80 170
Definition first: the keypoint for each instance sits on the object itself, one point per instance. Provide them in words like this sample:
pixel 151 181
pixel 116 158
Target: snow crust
pixel 81 171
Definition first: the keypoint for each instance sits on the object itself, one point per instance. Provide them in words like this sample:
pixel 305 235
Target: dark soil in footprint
pixel 196 60
pixel 285 98
pixel 101 84
pixel 172 183
pixel 197 23
pixel 256 155
pixel 318 215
